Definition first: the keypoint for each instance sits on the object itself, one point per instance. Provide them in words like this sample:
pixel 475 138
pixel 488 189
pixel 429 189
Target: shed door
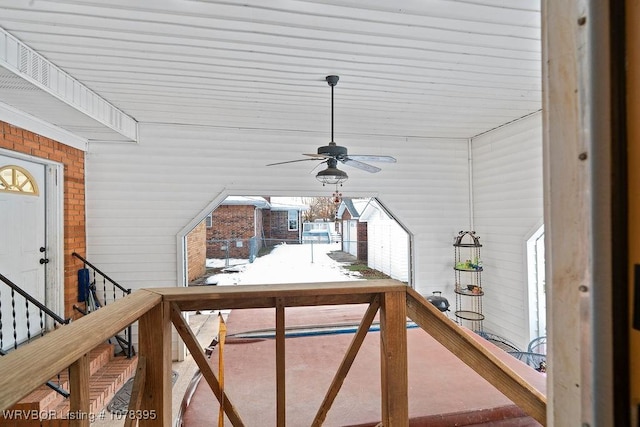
pixel 350 237
pixel 22 234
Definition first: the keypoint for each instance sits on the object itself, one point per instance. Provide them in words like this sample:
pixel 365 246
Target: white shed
pixel 349 212
pixel 388 242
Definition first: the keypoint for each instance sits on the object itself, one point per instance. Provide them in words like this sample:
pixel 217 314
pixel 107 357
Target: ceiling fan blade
pixel 360 165
pixel 324 156
pixel 292 161
pixel 372 158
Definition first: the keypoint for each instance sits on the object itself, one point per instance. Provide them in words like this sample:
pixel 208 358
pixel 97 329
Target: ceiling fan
pixel 332 154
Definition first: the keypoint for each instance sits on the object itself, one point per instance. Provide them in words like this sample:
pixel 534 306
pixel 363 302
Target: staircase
pixel 46 407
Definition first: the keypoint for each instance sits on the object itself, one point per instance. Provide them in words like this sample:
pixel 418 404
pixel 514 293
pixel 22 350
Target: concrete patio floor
pixel 442 390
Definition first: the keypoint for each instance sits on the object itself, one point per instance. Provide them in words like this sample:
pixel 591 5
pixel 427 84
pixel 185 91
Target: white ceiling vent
pixel 29 82
pixel 34 65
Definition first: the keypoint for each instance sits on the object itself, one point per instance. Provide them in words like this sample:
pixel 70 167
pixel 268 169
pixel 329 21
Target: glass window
pixel 209 221
pixel 16 179
pixel 293 220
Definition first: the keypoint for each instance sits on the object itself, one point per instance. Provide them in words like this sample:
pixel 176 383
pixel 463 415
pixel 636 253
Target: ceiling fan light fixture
pixel 332 176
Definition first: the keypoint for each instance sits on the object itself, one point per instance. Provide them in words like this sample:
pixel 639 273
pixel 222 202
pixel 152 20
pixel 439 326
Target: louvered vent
pixel 34 70
pixel 34 65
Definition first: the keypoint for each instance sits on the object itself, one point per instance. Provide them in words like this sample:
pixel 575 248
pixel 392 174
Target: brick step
pixel 104 384
pixel 108 374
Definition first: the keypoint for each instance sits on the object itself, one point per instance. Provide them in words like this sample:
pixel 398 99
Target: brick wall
pixel 16 139
pixel 277 228
pixel 231 224
pixel 362 241
pixel 197 251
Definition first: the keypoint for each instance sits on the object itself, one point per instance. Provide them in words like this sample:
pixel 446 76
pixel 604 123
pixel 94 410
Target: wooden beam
pixel 478 358
pixel 137 389
pixel 393 359
pixel 35 363
pixel 80 403
pixel 154 332
pixel 347 362
pixel 201 360
pixel 281 400
pixel 239 302
pixel 255 296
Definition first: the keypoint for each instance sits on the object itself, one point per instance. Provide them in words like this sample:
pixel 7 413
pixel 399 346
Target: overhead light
pixel 332 175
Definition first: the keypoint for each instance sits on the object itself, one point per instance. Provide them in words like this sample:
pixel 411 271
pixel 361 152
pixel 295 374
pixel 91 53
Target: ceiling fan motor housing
pixel 333 150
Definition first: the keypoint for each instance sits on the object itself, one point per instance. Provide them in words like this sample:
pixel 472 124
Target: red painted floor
pixel 442 390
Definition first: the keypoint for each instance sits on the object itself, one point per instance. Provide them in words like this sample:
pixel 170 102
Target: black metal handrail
pixel 29 299
pixel 97 270
pixel 93 301
pixel 34 301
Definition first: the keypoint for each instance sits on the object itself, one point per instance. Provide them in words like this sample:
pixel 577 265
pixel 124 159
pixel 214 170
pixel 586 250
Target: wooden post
pixel 281 403
pixel 393 359
pixel 135 399
pixel 154 336
pixel 79 405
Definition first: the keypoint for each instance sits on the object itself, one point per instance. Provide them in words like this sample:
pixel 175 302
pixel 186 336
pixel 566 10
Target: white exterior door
pixel 350 237
pixel 22 235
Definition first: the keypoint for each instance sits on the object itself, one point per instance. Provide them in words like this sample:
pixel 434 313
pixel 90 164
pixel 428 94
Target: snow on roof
pixel 288 203
pixel 354 206
pixel 259 202
pixel 373 211
pixel 288 207
pixel 262 203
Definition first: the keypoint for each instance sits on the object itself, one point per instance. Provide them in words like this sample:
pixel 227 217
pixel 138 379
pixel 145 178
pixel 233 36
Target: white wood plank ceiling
pixel 426 68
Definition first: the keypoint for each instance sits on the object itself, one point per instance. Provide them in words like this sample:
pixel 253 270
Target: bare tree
pixel 320 208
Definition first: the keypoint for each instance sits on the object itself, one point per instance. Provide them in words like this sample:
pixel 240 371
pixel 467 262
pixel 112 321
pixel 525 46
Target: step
pixel 44 398
pixel 104 384
pixel 108 374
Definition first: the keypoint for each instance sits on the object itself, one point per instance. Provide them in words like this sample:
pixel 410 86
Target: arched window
pixel 17 179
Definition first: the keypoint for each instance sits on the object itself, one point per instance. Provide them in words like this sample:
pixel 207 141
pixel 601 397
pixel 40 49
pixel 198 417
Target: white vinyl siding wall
pixel 508 203
pixel 134 213
pixel 388 248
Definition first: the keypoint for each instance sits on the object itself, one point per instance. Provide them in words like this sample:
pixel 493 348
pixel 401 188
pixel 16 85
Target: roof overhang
pixel 33 85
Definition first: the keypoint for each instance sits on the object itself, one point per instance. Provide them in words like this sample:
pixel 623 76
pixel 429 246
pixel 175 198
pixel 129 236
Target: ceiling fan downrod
pixel 332 81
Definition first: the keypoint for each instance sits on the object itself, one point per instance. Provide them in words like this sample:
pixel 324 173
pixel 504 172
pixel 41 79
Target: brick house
pixel 241 221
pixel 234 225
pixel 282 223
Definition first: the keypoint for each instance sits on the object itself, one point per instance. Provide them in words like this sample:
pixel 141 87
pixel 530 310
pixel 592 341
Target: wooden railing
pixel 157 309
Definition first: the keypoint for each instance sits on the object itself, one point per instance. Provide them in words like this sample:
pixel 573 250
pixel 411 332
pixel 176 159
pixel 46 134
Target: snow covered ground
pixel 285 264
